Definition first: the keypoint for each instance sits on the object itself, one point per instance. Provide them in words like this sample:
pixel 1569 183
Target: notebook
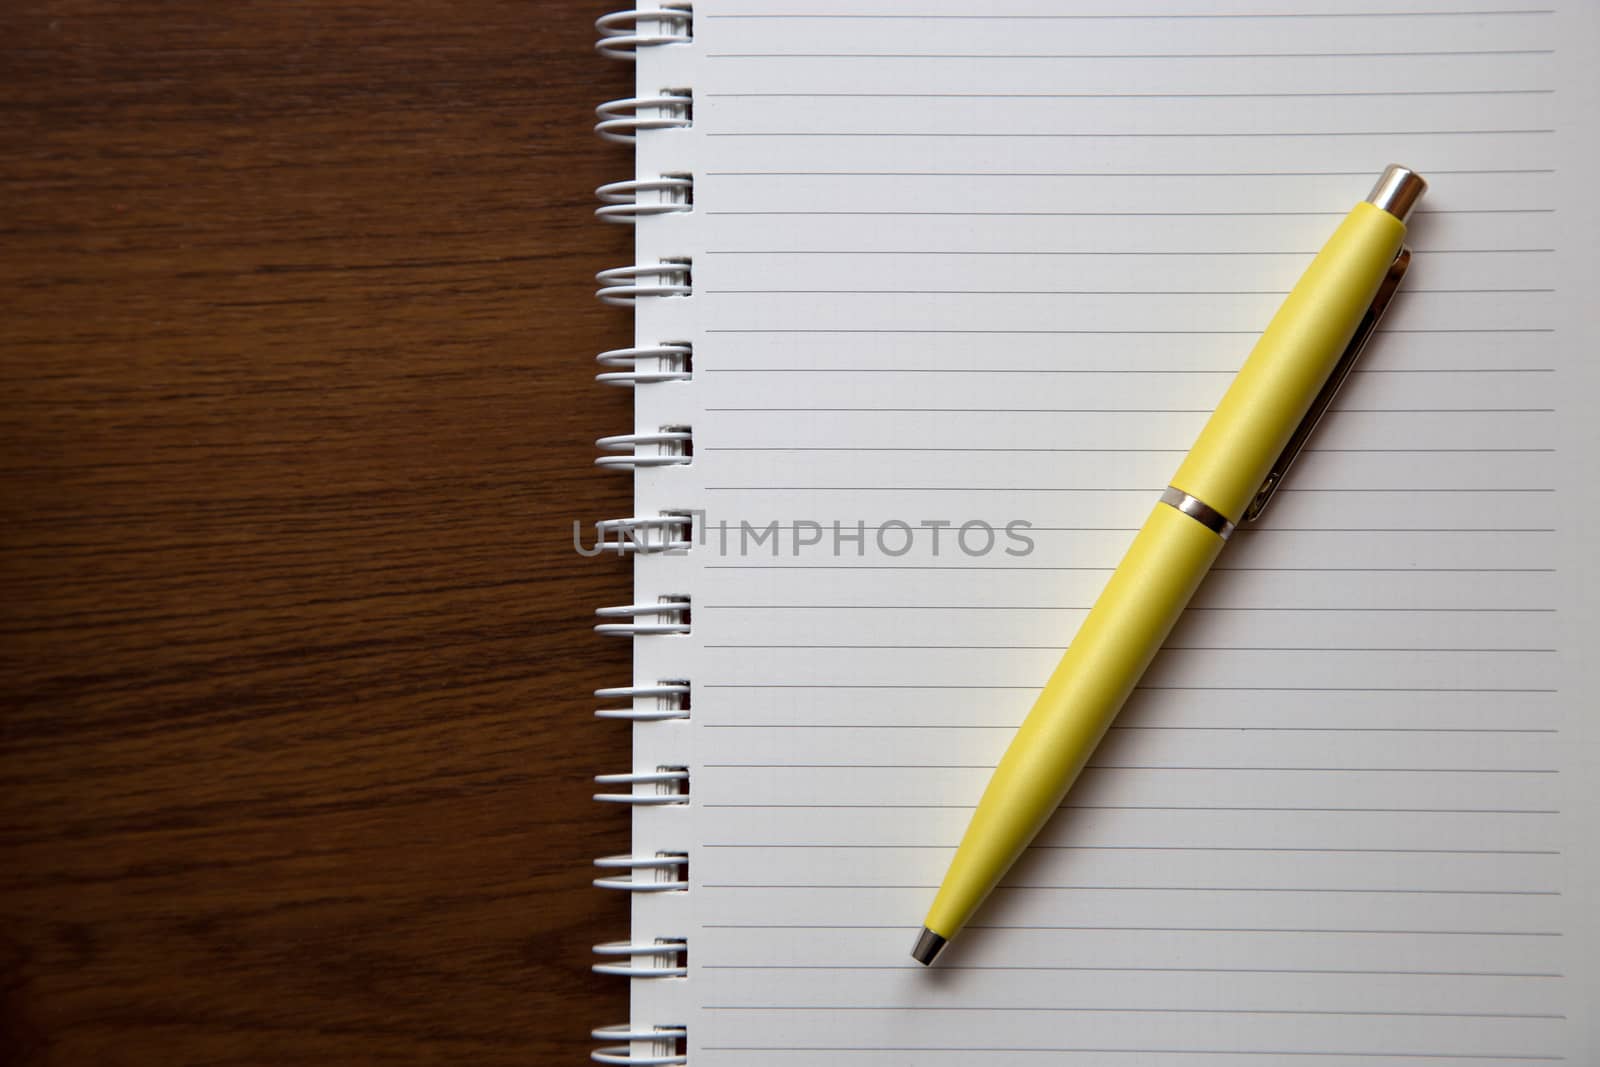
pixel 930 298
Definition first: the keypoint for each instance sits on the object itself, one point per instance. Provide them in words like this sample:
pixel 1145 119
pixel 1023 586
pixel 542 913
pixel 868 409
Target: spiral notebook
pixel 929 299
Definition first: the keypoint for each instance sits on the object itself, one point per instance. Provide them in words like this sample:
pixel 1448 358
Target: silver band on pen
pixel 1199 510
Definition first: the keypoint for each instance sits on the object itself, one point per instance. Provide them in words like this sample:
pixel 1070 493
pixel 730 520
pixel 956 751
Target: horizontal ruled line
pixel 1011 728
pixel 1037 886
pixel 1052 292
pixel 1178 688
pixel 1143 929
pixel 1371 490
pixel 1057 1009
pixel 1088 252
pixel 1065 967
pixel 1440 53
pixel 1104 489
pixel 1113 411
pixel 1259 531
pixel 1049 95
pixel 1163 17
pixel 1459 171
pixel 1143 807
pixel 1114 451
pixel 1058 1050
pixel 1166 648
pixel 1103 370
pixel 1108 570
pixel 1133 333
pixel 1054 1050
pixel 1086 607
pixel 1126 1050
pixel 1131 767
pixel 1178 848
pixel 1258 213
pixel 1213 135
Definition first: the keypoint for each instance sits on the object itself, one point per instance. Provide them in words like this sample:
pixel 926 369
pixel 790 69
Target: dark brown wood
pixel 298 409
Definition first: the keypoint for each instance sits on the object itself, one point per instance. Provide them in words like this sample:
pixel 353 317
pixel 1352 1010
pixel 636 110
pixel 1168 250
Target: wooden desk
pixel 298 411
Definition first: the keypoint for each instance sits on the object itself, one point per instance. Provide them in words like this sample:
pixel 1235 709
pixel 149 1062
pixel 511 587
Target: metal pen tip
pixel 928 947
pixel 1398 190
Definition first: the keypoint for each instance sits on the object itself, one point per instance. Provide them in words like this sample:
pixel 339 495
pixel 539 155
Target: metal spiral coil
pixel 666 952
pixel 673 613
pixel 674 449
pixel 621 120
pixel 647 535
pixel 622 202
pixel 671 361
pixel 623 286
pixel 662 1037
pixel 674 779
pixel 668 869
pixel 623 33
pixel 671 697
pixel 653 699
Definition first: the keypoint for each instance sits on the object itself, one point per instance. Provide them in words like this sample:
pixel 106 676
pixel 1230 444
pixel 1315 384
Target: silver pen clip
pixel 1330 388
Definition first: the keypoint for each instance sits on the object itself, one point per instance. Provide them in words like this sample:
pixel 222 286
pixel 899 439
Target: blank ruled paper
pixel 979 265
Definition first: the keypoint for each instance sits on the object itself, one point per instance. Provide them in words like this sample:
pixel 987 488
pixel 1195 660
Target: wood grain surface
pixel 297 343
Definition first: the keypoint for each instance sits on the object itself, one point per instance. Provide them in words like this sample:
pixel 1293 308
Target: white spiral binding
pixel 670 611
pixel 672 784
pixel 666 870
pixel 672 364
pixel 623 286
pixel 622 33
pixel 672 702
pixel 672 449
pixel 652 701
pixel 664 956
pixel 665 1040
pixel 621 120
pixel 621 201
pixel 667 532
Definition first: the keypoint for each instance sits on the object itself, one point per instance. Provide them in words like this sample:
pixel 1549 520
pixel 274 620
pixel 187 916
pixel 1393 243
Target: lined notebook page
pixel 957 267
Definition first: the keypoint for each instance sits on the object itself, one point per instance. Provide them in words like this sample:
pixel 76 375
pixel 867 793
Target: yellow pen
pixel 1229 475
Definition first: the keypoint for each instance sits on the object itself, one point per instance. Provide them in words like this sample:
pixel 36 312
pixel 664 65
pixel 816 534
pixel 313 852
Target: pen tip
pixel 928 947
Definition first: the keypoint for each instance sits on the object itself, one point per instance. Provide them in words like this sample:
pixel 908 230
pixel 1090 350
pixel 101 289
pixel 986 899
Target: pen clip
pixel 1330 388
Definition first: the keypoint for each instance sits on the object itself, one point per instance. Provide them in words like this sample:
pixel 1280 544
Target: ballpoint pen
pixel 1240 458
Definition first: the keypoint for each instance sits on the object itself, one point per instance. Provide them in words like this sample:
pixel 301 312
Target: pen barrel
pixel 1116 642
pixel 1169 558
pixel 1289 364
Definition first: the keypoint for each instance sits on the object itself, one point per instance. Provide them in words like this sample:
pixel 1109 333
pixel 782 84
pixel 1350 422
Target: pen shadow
pixel 1417 231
